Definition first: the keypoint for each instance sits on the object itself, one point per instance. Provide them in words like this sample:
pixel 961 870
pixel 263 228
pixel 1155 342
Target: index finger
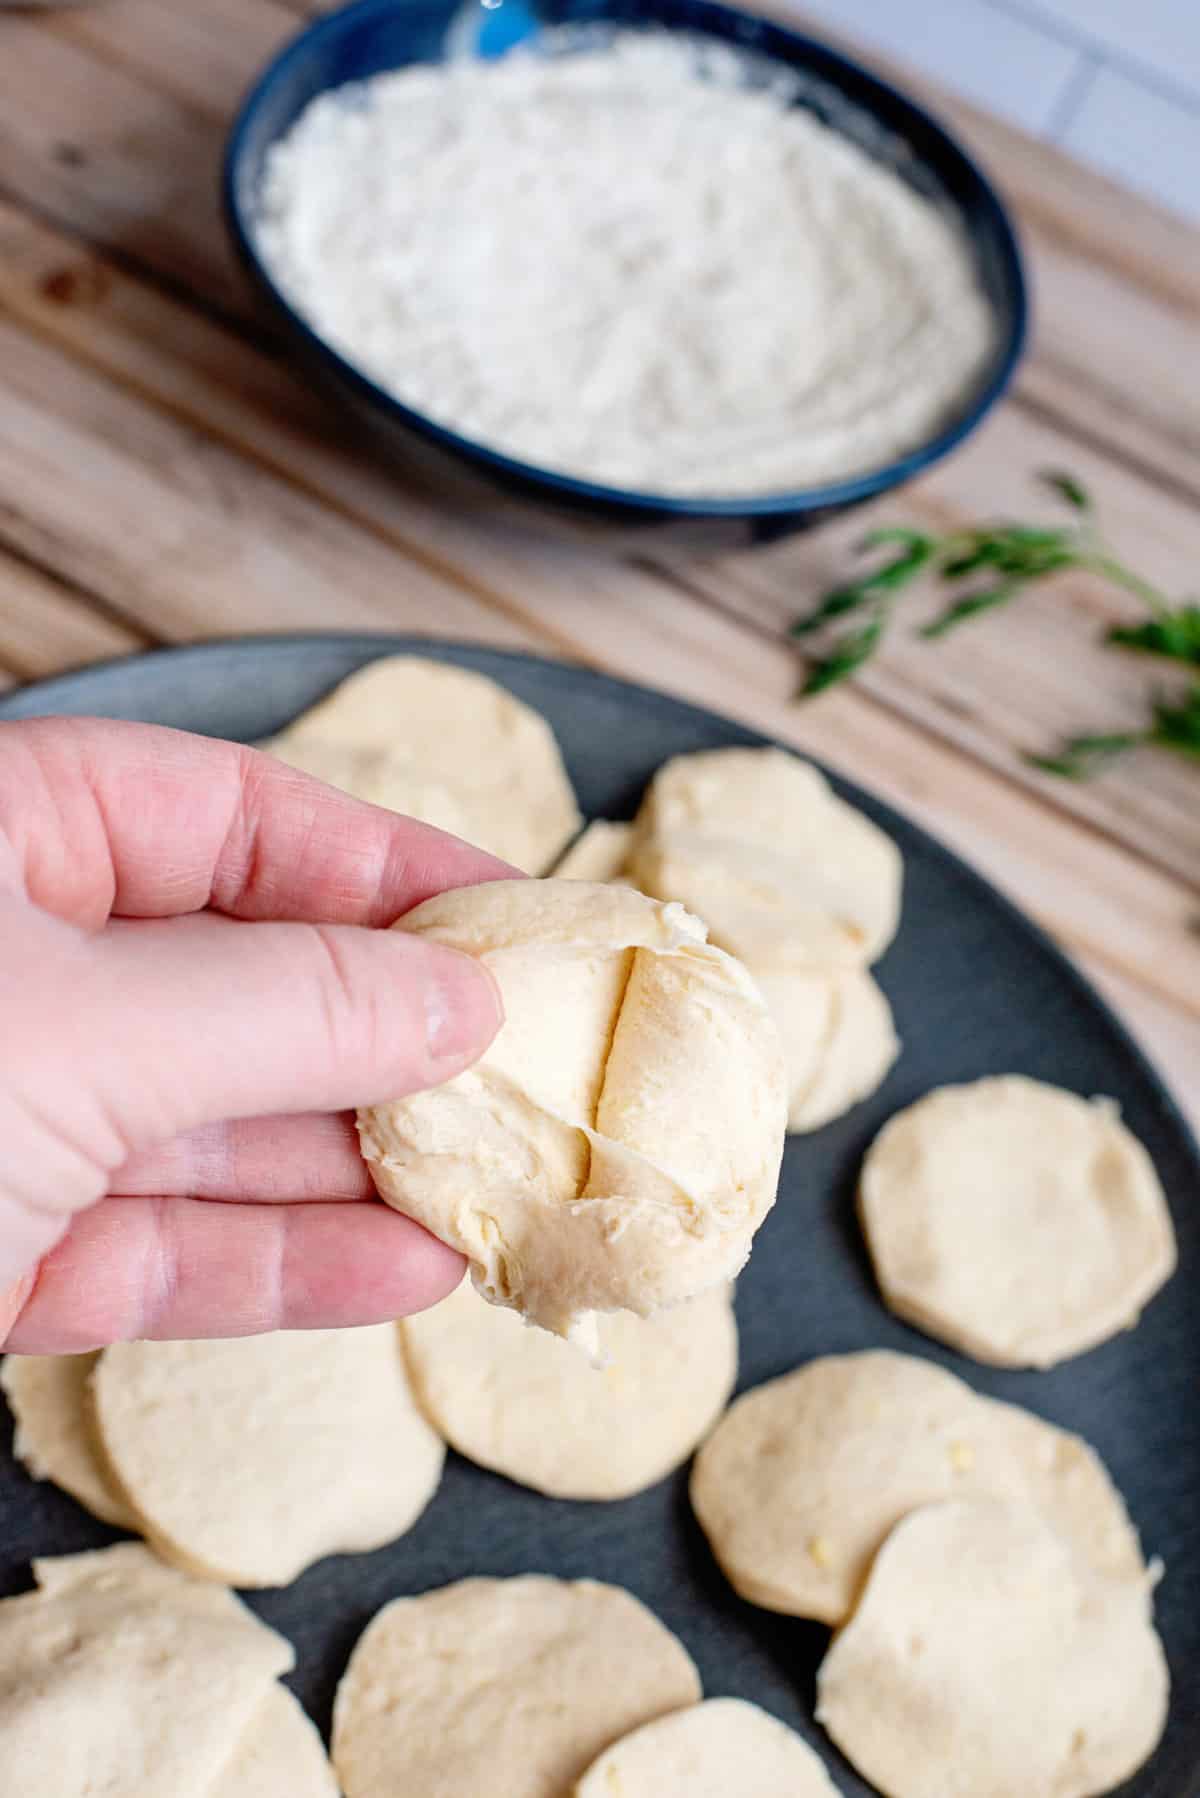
pixel 109 819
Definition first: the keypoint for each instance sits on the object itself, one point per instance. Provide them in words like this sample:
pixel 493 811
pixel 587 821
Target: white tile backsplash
pixel 991 57
pixel 1141 138
pixel 1117 82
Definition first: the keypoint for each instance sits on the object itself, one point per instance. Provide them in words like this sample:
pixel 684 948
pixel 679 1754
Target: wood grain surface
pixel 164 476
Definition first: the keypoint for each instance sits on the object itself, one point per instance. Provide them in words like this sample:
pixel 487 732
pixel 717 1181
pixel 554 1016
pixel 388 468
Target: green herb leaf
pixel 1175 634
pixel 1081 757
pixel 983 601
pixel 1178 726
pixel 845 659
pixel 1067 487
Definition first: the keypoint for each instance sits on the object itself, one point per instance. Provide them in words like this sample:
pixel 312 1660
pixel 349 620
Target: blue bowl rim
pixel 832 496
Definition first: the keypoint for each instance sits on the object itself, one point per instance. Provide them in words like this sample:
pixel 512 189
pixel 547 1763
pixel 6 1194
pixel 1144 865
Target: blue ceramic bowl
pixel 373 35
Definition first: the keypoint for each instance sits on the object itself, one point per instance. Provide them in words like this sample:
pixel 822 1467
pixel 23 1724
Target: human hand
pixel 188 999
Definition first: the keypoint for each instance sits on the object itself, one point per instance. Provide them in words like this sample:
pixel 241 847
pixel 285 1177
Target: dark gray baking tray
pixel 976 989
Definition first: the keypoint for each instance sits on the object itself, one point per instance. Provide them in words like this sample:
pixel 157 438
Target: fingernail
pixel 462 1010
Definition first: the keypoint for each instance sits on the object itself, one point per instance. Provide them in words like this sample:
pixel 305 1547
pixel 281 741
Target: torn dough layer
pixel 510 1686
pixel 444 745
pixel 804 1476
pixel 528 1405
pixel 716 1749
pixel 619 1143
pixel 247 1460
pixel 986 1657
pixel 1015 1221
pixel 786 875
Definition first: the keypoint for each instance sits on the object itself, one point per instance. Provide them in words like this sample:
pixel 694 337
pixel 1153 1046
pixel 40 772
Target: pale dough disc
pixel 838 1036
pixel 509 1686
pixel 986 1658
pixel 120 1676
pixel 785 874
pixel 1014 1220
pixel 723 1748
pixel 380 778
pixel 458 734
pixel 55 1436
pixel 619 1143
pixel 803 1477
pixel 531 1406
pixel 599 854
pixel 281 1755
pixel 246 1460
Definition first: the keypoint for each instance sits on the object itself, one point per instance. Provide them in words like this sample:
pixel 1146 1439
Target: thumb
pixel 226 1019
pixel 154 1027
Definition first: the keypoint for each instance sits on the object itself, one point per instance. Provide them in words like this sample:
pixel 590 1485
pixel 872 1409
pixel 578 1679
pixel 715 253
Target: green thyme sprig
pixel 989 565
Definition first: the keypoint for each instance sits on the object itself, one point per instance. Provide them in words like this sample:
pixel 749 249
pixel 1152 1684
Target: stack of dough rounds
pixel 247 1460
pixel 793 881
pixel 123 1677
pixel 723 1748
pixel 1014 1220
pixel 528 1405
pixel 987 1657
pixel 802 1479
pixel 55 1438
pixel 619 1143
pixel 508 1686
pixel 444 745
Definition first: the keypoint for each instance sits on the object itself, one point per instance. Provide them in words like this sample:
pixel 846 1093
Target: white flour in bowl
pixel 622 266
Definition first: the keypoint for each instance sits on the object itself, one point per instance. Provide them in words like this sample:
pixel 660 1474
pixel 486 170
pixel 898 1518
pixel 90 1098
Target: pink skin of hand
pixel 194 985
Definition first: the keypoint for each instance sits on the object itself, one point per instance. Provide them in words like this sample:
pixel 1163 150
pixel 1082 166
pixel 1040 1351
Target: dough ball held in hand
pixel 804 1476
pixel 723 1748
pixel 985 1656
pixel 1015 1221
pixel 505 1686
pixel 249 1459
pixel 529 1405
pixel 619 1143
pixel 444 745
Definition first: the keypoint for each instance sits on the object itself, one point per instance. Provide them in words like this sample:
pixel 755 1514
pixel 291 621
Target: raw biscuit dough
pixel 619 1143
pixel 599 854
pixel 120 1676
pixel 528 1405
pixel 723 1748
pixel 1015 1221
pixel 986 1658
pixel 247 1460
pixel 281 1755
pixel 804 1476
pixel 445 745
pixel 55 1434
pixel 509 1686
pixel 786 875
pixel 839 1040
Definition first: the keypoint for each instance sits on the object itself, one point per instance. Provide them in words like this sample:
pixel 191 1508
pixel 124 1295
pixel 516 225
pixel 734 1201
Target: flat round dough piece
pixel 723 1748
pixel 619 1143
pixel 985 1657
pixel 1014 1220
pixel 424 730
pixel 599 854
pixel 508 1686
pixel 248 1459
pixel 281 1755
pixel 785 874
pixel 123 1677
pixel 838 1036
pixel 55 1435
pixel 531 1406
pixel 804 1476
